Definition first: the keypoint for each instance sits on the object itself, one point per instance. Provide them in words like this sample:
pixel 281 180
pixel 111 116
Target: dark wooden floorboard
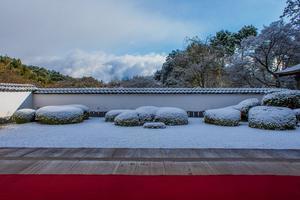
pixel 148 161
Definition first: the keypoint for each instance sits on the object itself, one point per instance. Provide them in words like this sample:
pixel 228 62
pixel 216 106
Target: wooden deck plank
pixel 71 167
pixel 46 152
pixel 148 161
pixel 126 167
pixel 14 166
pixel 181 168
pixel 19 152
pixel 149 168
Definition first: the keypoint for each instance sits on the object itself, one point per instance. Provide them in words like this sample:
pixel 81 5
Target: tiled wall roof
pixel 13 87
pixel 153 90
pixel 28 87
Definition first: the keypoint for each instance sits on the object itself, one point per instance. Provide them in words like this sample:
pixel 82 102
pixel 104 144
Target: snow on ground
pixel 97 133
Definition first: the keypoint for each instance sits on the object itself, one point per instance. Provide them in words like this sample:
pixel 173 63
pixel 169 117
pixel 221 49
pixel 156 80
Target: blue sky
pixel 118 38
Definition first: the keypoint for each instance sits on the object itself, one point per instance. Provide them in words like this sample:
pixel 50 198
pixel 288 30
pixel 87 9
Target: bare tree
pixel 262 56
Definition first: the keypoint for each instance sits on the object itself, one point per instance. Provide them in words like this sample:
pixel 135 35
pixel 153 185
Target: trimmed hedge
pixel 59 115
pixel 171 116
pixel 289 98
pixel 111 115
pixel 23 116
pixel 245 106
pixel 223 116
pixel 273 118
pixel 128 118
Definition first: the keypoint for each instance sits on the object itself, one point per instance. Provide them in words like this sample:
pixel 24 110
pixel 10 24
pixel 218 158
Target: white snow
pixel 84 108
pixel 97 133
pixel 147 113
pixel 281 96
pixel 297 113
pixel 59 112
pixel 110 115
pixel 227 113
pixel 245 105
pixel 26 112
pixel 171 115
pixel 130 114
pixel 272 115
pixel 128 118
pixel 154 125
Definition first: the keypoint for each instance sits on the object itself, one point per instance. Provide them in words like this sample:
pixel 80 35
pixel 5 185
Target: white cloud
pixel 101 65
pixel 53 27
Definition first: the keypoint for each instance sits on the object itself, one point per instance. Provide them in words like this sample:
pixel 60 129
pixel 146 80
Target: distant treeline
pixel 13 71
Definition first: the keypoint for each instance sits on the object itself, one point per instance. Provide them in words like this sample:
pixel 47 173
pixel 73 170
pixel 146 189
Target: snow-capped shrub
pixel 23 116
pixel 154 125
pixel 4 120
pixel 147 113
pixel 171 116
pixel 84 108
pixel 297 113
pixel 128 118
pixel 270 117
pixel 289 98
pixel 244 106
pixel 223 116
pixel 110 115
pixel 59 115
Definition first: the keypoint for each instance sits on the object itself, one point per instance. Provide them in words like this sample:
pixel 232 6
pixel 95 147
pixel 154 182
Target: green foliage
pixel 199 65
pixel 224 40
pixel 12 70
pixel 228 41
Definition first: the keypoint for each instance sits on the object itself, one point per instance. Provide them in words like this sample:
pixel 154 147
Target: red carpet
pixel 106 187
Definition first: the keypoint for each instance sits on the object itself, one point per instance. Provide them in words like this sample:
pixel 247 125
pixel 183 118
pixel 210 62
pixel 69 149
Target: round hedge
pixel 128 118
pixel 223 116
pixel 111 115
pixel 59 115
pixel 23 116
pixel 147 113
pixel 84 108
pixel 273 118
pixel 171 116
pixel 289 98
pixel 245 106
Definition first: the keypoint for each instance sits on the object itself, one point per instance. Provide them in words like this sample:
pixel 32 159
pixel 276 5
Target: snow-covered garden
pixel 95 132
pixel 270 123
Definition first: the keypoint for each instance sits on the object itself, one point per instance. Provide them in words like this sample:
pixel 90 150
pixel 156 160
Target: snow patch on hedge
pixel 147 113
pixel 128 118
pixel 297 113
pixel 24 116
pixel 84 108
pixel 110 115
pixel 223 116
pixel 270 117
pixel 244 106
pixel 289 98
pixel 171 116
pixel 59 115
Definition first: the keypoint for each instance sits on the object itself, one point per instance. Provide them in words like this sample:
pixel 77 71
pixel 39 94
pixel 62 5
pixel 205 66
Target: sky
pixel 116 39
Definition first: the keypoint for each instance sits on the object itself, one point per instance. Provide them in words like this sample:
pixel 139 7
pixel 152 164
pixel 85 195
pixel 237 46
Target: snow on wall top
pixel 14 87
pixel 28 87
pixel 290 70
pixel 154 90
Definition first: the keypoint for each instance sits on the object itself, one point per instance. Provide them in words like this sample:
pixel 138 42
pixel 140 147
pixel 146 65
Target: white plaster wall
pixel 12 101
pixel 100 102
